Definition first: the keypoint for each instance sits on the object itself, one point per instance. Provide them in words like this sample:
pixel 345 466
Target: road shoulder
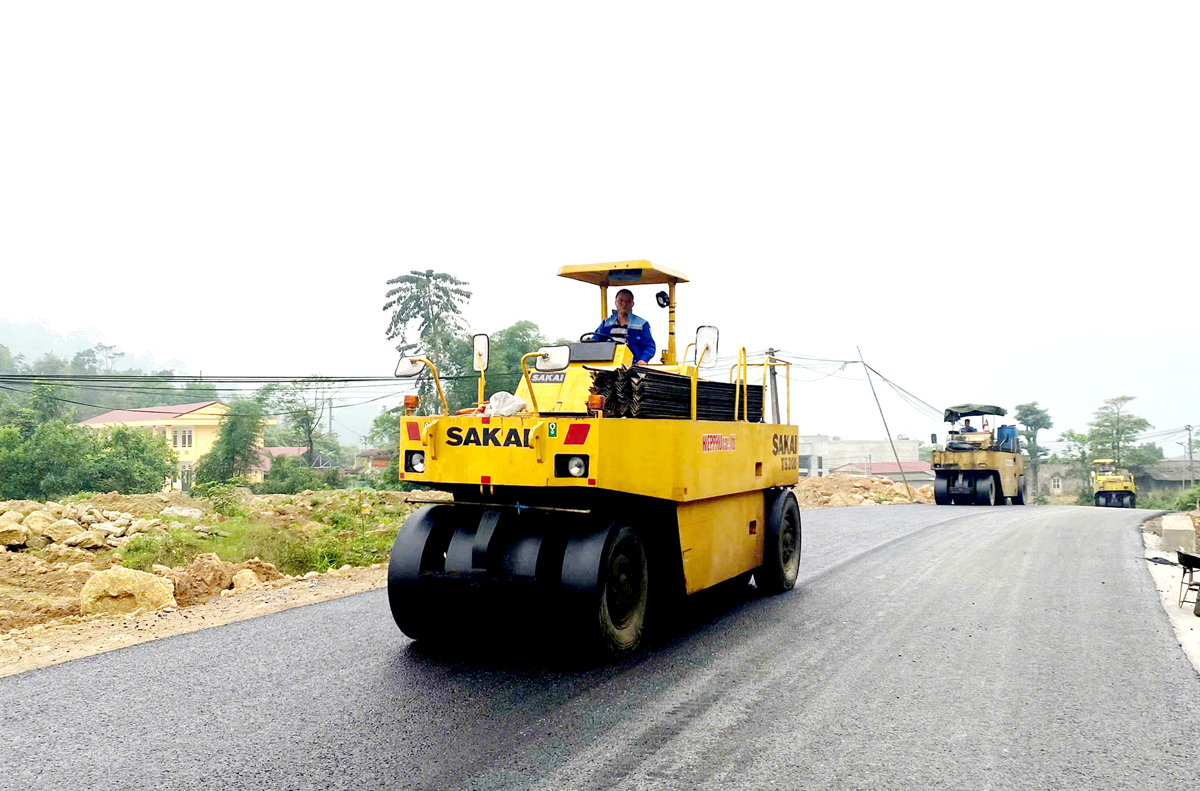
pixel 1166 581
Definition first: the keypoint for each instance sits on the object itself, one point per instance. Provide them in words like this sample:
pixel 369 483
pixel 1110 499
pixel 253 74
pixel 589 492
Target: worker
pixel 967 427
pixel 633 331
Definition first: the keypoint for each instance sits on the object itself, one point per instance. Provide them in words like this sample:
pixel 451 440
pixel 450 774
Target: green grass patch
pixel 357 541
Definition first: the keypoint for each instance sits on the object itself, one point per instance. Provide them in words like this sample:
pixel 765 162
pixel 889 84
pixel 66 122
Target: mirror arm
pixel 528 383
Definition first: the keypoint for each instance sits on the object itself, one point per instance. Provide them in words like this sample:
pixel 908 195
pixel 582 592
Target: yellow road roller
pixel 1112 487
pixel 978 467
pixel 604 488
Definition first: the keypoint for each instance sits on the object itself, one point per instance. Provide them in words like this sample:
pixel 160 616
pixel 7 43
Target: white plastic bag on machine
pixel 503 404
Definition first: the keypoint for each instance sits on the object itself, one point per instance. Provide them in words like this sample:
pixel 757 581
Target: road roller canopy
pixel 955 413
pixel 623 273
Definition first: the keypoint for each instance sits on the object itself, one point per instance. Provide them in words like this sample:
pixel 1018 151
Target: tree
pixel 49 364
pixel 85 362
pixel 385 430
pixel 61 459
pixel 1034 419
pixel 289 475
pixel 1079 454
pixel 8 363
pixel 1114 430
pixel 300 404
pixel 132 460
pixel 235 451
pixel 46 404
pixel 107 355
pixel 506 347
pixel 427 316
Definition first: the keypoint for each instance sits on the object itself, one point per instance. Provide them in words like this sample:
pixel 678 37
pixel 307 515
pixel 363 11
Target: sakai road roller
pixel 603 492
pixel 1111 486
pixel 978 467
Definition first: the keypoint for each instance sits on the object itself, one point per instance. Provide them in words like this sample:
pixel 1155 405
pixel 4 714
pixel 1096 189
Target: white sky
pixel 997 202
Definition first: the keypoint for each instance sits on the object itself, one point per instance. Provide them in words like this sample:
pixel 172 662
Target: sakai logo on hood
pixel 487 437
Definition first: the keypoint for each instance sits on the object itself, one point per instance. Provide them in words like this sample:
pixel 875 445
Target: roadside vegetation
pixel 314 531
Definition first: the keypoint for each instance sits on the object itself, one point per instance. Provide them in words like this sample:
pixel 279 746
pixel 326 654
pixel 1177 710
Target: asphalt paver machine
pixel 614 490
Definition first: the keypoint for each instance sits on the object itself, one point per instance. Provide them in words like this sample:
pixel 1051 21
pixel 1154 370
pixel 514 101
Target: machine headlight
pixel 576 466
pixel 569 465
pixel 414 461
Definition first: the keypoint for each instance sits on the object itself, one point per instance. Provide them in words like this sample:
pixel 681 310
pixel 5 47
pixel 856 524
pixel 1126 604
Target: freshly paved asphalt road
pixel 925 647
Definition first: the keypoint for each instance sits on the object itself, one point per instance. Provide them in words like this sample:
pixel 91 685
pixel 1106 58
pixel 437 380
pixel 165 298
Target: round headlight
pixel 418 462
pixel 576 466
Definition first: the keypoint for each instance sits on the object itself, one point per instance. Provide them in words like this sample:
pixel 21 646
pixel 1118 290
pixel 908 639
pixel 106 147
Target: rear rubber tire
pixel 1019 499
pixel 781 546
pixel 624 589
pixel 985 491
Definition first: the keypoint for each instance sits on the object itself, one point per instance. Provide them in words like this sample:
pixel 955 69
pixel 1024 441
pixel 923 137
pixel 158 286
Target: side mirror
pixel 933 439
pixel 479 344
pixel 662 299
pixel 553 358
pixel 706 346
pixel 407 367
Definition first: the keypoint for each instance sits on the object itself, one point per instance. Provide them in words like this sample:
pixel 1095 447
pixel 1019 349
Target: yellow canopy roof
pixel 622 273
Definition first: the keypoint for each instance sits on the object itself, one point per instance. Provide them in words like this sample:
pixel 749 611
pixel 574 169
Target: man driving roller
pixel 632 330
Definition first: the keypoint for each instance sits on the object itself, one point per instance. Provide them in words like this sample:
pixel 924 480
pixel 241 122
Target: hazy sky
pixel 996 202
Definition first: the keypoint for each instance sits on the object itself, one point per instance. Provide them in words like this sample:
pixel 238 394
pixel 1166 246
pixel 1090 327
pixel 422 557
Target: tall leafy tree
pixel 234 452
pixel 46 404
pixel 1079 454
pixel 427 318
pixel 1114 429
pixel 1034 419
pixel 8 363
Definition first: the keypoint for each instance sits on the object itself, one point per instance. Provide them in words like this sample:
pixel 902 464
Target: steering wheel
pixel 598 337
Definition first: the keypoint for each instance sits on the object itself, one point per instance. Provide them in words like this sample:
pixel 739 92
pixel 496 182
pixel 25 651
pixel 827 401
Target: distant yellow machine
pixel 978 467
pixel 612 490
pixel 1113 487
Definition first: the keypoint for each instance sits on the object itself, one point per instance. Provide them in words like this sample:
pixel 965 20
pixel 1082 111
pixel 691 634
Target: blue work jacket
pixel 640 341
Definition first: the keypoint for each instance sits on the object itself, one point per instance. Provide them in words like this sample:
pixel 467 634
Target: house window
pixel 175 437
pixel 187 438
pixel 1056 483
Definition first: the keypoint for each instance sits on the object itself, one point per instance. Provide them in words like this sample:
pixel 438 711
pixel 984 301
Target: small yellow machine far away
pixel 601 491
pixel 1112 487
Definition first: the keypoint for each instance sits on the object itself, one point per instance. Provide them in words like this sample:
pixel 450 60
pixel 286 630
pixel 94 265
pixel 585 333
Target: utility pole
pixel 774 387
pixel 1191 467
pixel 895 455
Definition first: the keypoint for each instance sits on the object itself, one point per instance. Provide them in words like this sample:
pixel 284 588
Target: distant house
pixel 1166 477
pixel 821 454
pixel 918 473
pixel 190 430
pixel 263 468
pixel 373 459
pixel 1058 479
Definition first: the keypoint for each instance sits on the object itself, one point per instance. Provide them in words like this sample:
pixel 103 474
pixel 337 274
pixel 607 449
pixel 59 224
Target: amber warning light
pixel 595 403
pixel 411 402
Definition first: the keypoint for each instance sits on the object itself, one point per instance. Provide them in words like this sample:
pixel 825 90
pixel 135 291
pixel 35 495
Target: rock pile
pixel 834 491
pixel 33 525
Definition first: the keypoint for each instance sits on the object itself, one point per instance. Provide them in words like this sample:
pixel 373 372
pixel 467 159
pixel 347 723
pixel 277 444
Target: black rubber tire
pixel 1101 501
pixel 941 491
pixel 781 545
pixel 985 490
pixel 624 590
pixel 412 553
pixel 1019 499
pixel 1000 498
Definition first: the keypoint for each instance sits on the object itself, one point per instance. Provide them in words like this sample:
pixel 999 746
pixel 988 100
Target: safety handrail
pixel 767 363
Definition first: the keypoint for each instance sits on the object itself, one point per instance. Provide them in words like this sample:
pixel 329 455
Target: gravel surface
pixel 925 648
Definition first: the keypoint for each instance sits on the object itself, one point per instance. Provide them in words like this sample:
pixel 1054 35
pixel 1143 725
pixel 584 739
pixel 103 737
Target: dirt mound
pixel 33 590
pixel 834 491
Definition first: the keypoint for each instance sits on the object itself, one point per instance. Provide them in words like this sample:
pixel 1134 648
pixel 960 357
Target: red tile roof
pixel 266 454
pixel 148 413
